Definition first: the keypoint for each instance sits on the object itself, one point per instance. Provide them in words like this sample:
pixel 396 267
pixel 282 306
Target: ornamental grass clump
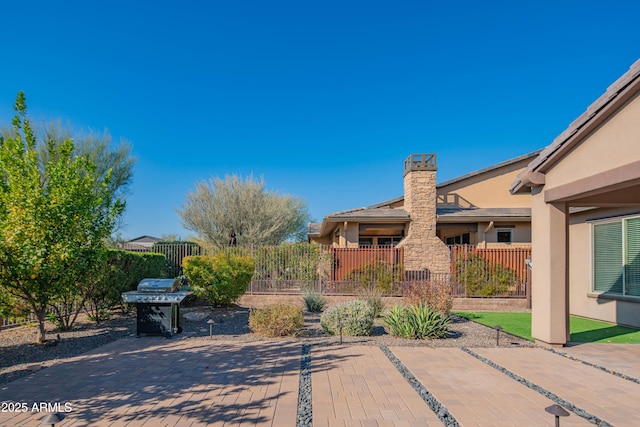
pixel 314 301
pixel 356 318
pixel 417 322
pixel 278 320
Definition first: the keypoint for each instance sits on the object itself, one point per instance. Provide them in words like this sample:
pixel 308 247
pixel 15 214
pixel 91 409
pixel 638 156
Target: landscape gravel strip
pixel 593 365
pixel 443 414
pixel 567 405
pixel 305 408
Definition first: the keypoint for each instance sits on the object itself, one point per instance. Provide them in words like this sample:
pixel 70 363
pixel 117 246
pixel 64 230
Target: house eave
pixel 616 95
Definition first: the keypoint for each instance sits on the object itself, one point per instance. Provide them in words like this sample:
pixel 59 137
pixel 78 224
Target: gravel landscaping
pixel 19 356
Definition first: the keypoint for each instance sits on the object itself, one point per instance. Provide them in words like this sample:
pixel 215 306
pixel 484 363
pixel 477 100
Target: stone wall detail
pixel 424 251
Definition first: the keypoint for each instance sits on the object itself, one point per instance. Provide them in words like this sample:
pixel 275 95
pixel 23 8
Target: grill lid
pixel 151 297
pixel 156 290
pixel 158 285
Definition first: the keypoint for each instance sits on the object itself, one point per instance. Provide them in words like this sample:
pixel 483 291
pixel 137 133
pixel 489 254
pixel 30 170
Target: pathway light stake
pixel 340 327
pixel 52 418
pixel 210 322
pixel 498 328
pixel 558 411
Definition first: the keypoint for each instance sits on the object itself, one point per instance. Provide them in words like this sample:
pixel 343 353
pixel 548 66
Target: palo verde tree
pixel 257 216
pixel 54 219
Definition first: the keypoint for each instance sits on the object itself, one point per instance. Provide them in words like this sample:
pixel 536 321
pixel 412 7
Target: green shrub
pixel 277 320
pixel 417 322
pixel 355 316
pixel 314 301
pixel 119 271
pixel 221 278
pixel 482 278
pixel 434 294
pixel 378 274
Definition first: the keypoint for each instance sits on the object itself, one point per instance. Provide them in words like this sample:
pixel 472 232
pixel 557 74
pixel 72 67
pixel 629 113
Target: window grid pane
pixel 632 258
pixel 607 242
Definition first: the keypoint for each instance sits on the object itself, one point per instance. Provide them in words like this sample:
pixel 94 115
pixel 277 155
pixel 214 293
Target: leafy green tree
pixel 109 159
pixel 257 216
pixel 54 218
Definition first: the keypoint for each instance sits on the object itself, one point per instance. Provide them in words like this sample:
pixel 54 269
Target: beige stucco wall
pixel 615 143
pixel 486 190
pixel 520 234
pixel 346 235
pixel 582 301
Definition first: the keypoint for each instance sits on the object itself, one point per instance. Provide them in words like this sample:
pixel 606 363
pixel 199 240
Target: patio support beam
pixel 550 285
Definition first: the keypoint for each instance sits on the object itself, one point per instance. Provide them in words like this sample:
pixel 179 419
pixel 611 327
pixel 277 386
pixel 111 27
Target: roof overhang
pixel 617 95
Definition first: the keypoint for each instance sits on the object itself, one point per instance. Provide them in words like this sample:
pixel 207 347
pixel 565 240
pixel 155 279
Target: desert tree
pixel 256 216
pixel 55 216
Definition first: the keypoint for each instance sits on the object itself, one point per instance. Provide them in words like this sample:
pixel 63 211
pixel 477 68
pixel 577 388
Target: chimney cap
pixel 420 162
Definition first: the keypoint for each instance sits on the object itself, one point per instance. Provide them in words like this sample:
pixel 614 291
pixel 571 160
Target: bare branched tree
pixel 256 216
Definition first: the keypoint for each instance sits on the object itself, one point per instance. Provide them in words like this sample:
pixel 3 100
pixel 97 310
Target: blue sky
pixel 324 100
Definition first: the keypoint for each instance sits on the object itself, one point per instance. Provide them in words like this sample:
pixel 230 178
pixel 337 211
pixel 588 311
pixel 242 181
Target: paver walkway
pixel 614 400
pixel 154 382
pixel 475 393
pixel 199 382
pixel 624 358
pixel 359 386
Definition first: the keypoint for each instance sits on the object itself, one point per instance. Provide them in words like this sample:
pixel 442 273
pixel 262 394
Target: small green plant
pixel 277 320
pixel 355 317
pixel 314 301
pixel 417 322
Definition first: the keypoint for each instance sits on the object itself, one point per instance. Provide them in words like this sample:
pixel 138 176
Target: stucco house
pixel 585 199
pixel 476 208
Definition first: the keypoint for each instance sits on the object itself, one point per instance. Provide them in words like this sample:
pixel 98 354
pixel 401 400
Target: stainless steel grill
pixel 156 290
pixel 158 306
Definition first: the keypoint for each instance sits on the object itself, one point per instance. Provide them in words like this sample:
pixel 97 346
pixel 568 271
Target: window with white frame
pixel 616 256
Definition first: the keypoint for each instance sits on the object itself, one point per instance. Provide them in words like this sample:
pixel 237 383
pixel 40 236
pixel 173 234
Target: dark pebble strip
pixel 593 365
pixel 442 412
pixel 567 405
pixel 305 410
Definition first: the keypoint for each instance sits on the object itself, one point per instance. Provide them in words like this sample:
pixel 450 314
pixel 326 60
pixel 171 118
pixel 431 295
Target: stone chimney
pixel 424 253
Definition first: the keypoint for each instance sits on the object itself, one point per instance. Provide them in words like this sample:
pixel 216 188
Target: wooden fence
pixel 295 268
pixel 351 262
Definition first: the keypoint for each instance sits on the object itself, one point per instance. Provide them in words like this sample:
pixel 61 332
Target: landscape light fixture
pixel 340 328
pixel 498 328
pixel 558 411
pixel 210 322
pixel 52 418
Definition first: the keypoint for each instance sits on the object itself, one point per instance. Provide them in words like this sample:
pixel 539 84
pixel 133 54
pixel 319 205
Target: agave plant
pixel 417 322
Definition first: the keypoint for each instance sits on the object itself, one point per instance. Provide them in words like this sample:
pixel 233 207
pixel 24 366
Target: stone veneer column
pixel 422 248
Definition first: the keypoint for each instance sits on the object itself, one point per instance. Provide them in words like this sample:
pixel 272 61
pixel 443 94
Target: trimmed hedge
pixel 221 278
pixel 121 271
